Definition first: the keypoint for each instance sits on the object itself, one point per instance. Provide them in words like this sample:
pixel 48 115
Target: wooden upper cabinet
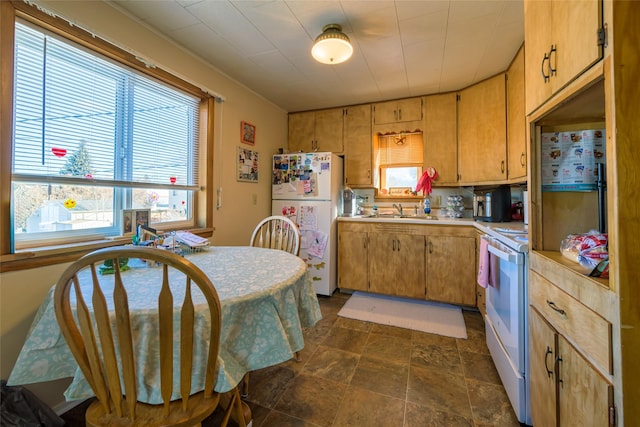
pixel 516 119
pixel 563 41
pixel 401 110
pixel 440 137
pixel 482 134
pixel 358 146
pixel 330 130
pixel 321 130
pixel 301 131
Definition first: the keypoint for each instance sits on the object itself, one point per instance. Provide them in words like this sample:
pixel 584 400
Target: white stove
pixel 506 318
pixel 513 234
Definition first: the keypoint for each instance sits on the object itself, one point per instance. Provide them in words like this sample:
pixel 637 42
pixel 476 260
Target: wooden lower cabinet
pixel 352 260
pixel 397 264
pixel 451 269
pixel 543 344
pixel 407 260
pixel 566 390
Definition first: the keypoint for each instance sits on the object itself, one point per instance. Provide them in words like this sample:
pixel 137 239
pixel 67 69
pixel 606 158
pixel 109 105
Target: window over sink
pixel 399 158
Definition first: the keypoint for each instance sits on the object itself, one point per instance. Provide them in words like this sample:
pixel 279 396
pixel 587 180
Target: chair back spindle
pixel 104 345
pixel 277 232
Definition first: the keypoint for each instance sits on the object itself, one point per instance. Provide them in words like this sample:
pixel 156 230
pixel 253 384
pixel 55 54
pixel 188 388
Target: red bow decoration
pixel 424 183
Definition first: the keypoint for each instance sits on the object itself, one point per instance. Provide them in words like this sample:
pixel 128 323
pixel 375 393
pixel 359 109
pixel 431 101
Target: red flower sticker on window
pixel 59 152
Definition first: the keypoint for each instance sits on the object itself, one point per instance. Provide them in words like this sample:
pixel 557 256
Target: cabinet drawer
pixel 588 330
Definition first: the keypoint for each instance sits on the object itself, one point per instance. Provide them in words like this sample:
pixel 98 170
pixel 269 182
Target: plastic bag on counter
pixel 587 249
pixel 21 408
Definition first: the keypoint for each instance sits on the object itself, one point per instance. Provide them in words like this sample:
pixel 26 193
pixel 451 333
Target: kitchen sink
pixel 398 216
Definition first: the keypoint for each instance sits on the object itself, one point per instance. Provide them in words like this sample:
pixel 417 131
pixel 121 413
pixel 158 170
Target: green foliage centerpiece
pixel 107 266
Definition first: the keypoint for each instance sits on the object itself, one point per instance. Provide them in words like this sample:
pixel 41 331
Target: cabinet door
pixel 516 120
pixel 409 110
pixel 403 110
pixel 410 266
pixel 542 354
pixel 482 132
pixel 329 130
pixel 537 33
pixel 385 112
pixel 396 264
pixel 584 395
pixel 447 281
pixel 576 44
pixel 352 260
pixel 301 131
pixel 569 26
pixel 441 137
pixel 358 146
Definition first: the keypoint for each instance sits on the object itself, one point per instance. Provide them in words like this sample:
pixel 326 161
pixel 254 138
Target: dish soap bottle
pixel 427 206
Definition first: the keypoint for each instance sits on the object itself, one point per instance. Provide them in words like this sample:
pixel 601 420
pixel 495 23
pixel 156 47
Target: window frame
pixel 381 165
pixel 9 12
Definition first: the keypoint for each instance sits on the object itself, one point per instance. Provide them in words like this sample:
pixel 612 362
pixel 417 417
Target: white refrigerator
pixel 307 188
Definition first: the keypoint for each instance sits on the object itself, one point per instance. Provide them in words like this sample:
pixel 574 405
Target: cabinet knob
pixel 558 361
pixel 522 159
pixel 552 70
pixel 502 166
pixel 555 308
pixel 545 76
pixel 546 357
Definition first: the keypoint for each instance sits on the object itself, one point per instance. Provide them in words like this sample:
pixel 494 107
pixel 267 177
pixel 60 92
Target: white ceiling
pixel 402 48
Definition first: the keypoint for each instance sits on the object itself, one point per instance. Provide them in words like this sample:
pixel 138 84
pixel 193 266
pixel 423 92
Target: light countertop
pixel 485 227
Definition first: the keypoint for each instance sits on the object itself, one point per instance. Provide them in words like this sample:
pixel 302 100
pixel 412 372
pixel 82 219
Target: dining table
pixel 266 296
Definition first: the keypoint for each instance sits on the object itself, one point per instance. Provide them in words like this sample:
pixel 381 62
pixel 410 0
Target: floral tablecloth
pixel 266 296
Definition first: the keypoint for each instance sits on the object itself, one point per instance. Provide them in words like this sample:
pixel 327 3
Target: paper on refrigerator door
pixel 316 242
pixel 308 218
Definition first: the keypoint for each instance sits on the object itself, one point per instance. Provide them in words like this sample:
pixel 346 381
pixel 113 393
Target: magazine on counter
pixel 191 240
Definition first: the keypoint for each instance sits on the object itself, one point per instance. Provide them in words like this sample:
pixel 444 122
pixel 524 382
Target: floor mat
pixel 425 316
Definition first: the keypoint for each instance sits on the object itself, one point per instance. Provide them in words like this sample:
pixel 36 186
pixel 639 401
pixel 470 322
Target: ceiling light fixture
pixel 332 46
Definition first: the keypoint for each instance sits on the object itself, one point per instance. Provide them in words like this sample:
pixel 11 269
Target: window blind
pixel 400 149
pixel 79 116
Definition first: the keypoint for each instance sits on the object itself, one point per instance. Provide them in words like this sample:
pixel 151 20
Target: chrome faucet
pixel 398 207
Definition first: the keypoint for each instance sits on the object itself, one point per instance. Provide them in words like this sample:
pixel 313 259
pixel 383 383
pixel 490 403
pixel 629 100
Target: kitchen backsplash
pixel 366 200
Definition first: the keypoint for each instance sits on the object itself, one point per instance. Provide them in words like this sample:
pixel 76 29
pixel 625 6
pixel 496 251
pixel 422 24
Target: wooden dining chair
pixel 277 232
pixel 101 339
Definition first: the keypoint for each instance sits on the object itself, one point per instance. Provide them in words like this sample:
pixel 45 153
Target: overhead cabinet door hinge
pixel 612 415
pixel 602 36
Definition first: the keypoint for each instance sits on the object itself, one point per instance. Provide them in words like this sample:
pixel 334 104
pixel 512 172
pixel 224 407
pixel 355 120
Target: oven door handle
pixel 511 257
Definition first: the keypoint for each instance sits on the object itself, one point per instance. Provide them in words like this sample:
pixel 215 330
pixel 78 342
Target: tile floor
pixel 356 373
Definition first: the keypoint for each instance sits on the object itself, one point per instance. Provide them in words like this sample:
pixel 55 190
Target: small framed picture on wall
pixel 247 133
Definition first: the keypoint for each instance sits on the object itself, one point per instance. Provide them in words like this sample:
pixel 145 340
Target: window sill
pixel 50 255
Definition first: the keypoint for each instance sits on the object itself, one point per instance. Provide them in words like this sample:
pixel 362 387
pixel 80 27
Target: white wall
pixel 21 292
